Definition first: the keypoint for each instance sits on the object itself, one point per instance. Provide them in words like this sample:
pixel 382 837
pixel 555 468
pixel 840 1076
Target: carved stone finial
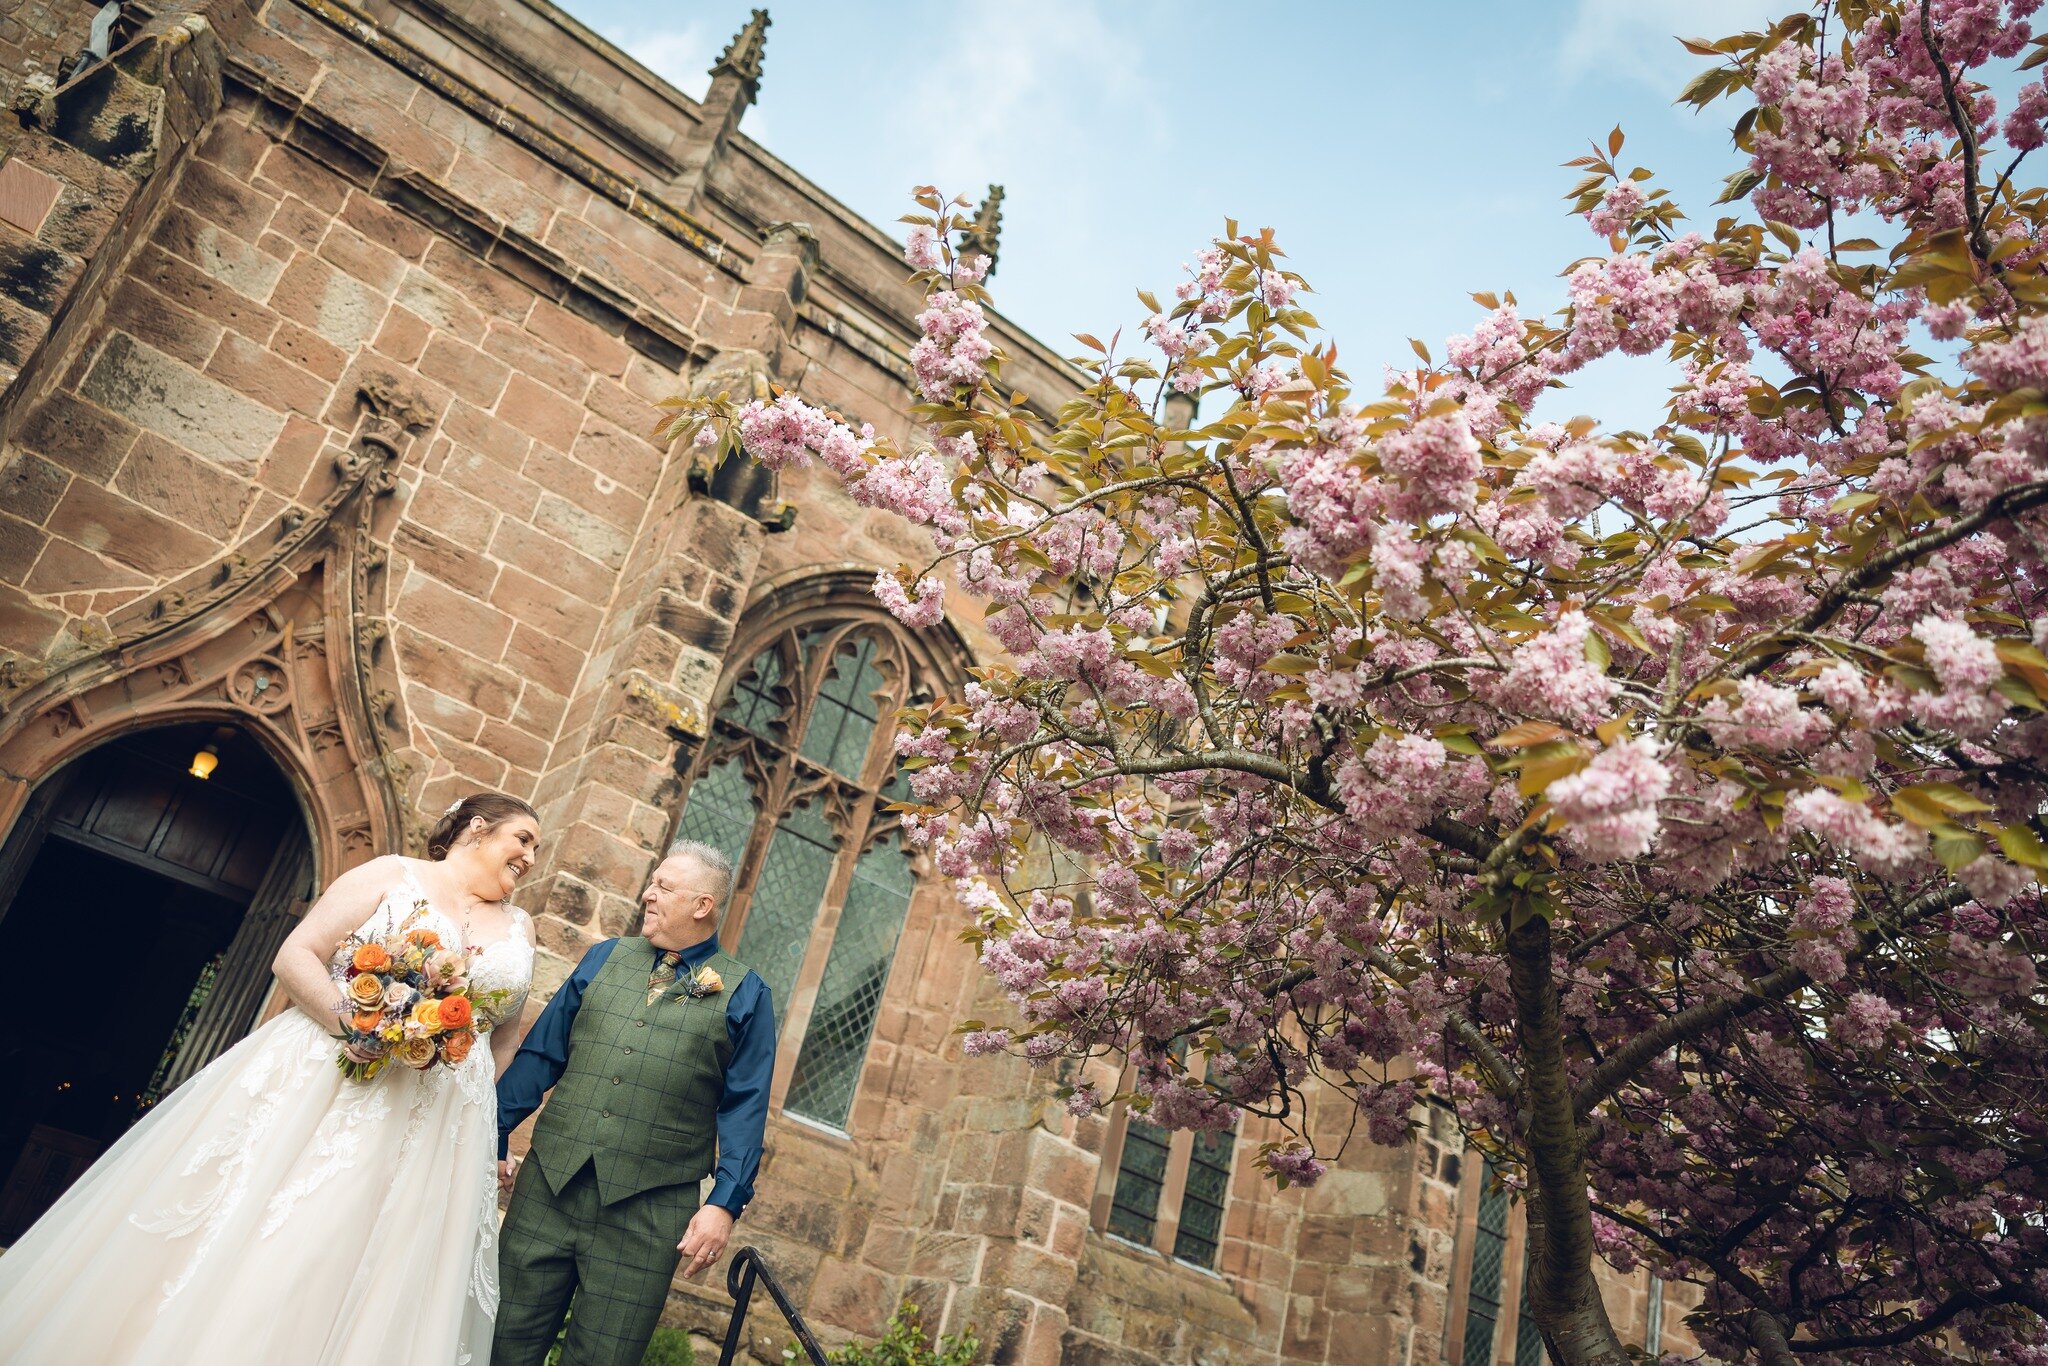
pixel 982 238
pixel 742 56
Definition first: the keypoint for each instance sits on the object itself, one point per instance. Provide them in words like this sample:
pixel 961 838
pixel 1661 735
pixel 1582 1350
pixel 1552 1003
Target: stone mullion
pixel 1180 1148
pixel 769 808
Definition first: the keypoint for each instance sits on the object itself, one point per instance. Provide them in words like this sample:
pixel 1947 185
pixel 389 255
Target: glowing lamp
pixel 204 762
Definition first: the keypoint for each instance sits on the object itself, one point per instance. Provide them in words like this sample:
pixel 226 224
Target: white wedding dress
pixel 270 1210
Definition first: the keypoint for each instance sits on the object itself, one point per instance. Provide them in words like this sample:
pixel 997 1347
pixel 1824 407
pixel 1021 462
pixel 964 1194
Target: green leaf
pixel 2023 846
pixel 1956 848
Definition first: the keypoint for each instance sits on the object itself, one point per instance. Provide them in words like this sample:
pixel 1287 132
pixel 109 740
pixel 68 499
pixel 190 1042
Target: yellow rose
pixel 709 983
pixel 428 1014
pixel 365 992
pixel 415 1053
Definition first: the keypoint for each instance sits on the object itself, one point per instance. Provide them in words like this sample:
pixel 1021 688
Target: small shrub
pixel 904 1344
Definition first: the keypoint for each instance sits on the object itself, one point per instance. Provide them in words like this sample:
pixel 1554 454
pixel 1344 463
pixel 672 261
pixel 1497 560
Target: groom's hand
pixel 704 1241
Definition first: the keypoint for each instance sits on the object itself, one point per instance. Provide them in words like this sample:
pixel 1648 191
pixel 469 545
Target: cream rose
pixel 415 1053
pixel 365 992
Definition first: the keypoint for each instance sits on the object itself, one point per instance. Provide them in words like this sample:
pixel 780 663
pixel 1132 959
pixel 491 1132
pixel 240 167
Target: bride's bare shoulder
pixel 374 877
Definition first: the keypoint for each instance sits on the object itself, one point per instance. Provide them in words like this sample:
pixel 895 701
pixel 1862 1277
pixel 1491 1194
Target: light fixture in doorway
pixel 208 757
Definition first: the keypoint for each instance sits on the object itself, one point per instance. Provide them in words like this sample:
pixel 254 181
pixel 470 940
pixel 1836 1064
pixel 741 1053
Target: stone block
pixel 193 289
pixel 166 396
pixel 850 1296
pixel 308 350
pixel 27 195
pixel 457 566
pixel 30 488
pixel 554 664
pixel 126 532
pixel 533 358
pixel 491 688
pixel 468 372
pixel 403 337
pixel 440 304
pixel 602 352
pixel 440 611
pixel 171 328
pixel 168 479
pixel 586 488
pixel 541 413
pixel 547 558
pixel 341 308
pixel 582 530
pixel 220 254
pixel 79 436
pixel 248 368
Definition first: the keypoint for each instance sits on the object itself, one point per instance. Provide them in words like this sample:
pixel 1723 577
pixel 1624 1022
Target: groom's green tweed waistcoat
pixel 640 1094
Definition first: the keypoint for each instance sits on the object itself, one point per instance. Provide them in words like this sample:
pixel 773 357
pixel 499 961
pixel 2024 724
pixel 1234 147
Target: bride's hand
pixel 357 1053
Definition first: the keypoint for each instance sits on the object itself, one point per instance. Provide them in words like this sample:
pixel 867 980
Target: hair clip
pixel 453 807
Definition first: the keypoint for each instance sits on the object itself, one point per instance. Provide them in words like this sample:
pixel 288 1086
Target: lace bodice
pixel 504 966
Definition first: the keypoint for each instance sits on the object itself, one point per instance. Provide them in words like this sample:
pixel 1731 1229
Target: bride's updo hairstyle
pixel 494 807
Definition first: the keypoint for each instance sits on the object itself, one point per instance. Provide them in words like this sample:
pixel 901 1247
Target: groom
pixel 659 1049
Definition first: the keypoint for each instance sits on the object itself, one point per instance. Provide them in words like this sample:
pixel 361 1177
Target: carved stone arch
pixel 285 637
pixel 837 593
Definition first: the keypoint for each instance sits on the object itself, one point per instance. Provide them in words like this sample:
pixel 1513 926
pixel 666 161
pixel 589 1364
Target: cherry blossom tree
pixel 1667 804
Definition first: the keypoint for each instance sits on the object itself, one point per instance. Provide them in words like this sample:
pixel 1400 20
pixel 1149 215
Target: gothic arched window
pixel 794 784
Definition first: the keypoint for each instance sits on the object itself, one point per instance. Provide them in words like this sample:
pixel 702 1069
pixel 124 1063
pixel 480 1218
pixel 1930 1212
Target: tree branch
pixel 1875 570
pixel 1629 1059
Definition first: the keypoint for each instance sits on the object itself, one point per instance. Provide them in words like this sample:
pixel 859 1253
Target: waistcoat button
pixel 605 1114
pixel 615 1081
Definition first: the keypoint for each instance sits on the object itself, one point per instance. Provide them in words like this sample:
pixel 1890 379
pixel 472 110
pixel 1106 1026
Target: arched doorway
pixel 140 906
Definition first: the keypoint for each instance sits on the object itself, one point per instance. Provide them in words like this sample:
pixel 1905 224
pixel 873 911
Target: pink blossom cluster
pixel 1611 803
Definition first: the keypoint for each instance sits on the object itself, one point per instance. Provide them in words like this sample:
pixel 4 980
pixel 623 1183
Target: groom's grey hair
pixel 712 860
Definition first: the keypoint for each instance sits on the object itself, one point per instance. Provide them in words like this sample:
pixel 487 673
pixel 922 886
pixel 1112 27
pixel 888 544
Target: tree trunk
pixel 1565 1297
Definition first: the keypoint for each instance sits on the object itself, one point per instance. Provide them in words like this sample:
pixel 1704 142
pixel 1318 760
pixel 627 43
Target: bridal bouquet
pixel 410 1002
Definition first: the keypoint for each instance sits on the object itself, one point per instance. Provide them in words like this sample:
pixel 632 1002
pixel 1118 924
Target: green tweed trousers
pixel 616 1261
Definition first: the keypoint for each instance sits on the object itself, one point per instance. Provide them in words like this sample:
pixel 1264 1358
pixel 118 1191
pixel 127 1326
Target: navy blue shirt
pixel 742 1113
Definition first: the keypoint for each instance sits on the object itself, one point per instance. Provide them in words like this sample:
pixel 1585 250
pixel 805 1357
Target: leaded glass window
pixel 850 994
pixel 1140 1178
pixel 795 783
pixel 1201 1204
pixel 1489 1248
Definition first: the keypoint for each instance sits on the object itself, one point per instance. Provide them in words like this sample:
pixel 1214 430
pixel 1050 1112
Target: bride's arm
pixel 506 1038
pixel 301 963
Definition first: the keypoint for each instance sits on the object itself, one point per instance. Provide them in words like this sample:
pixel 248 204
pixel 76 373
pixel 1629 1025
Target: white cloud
pixel 1637 39
pixel 680 56
pixel 1019 90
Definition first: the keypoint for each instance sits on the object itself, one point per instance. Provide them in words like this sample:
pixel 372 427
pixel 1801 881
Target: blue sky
pixel 1407 155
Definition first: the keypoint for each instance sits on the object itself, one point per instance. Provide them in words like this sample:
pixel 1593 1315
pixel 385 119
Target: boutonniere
pixel 707 982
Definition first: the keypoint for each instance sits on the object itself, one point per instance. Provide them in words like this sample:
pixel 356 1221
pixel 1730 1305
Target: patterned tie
pixel 666 965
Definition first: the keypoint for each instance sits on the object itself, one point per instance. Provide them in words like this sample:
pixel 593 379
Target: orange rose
pixel 455 1012
pixel 372 958
pixel 425 938
pixel 455 1047
pixel 428 1014
pixel 366 1022
pixel 366 992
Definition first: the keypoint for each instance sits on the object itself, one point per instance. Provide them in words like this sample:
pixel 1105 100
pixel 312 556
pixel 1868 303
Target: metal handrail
pixel 748 1266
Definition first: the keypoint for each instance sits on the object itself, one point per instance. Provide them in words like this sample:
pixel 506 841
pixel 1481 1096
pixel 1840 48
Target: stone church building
pixel 330 337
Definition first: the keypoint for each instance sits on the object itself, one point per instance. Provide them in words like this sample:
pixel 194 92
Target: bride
pixel 273 1210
